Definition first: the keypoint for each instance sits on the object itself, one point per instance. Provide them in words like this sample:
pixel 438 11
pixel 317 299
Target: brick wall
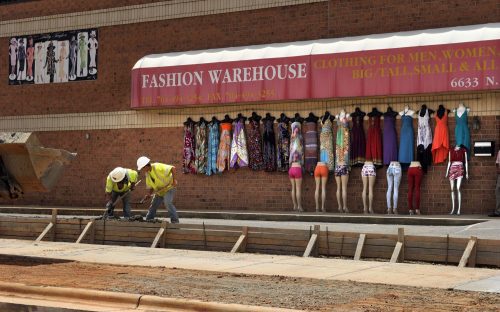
pixel 83 182
pixel 121 46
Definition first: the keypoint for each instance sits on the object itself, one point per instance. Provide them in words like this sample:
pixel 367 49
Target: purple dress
pixel 390 139
pixel 254 145
pixel 358 143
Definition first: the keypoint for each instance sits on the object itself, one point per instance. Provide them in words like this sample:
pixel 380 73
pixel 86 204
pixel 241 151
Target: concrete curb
pixel 123 300
pixel 86 296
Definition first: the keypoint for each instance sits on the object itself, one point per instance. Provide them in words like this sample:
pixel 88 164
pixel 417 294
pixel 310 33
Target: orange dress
pixel 441 142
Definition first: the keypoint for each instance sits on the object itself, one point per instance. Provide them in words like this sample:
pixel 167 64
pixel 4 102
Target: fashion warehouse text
pixel 229 75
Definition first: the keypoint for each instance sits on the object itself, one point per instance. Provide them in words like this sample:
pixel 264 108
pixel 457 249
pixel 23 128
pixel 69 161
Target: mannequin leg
pixel 363 194
pixel 298 186
pixel 459 197
pixel 371 184
pixel 294 198
pixel 345 179
pixel 339 186
pixel 390 179
pixel 397 181
pixel 316 193
pixel 323 192
pixel 452 185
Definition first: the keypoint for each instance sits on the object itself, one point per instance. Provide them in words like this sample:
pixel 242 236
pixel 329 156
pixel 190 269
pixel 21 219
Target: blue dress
pixel 406 140
pixel 462 134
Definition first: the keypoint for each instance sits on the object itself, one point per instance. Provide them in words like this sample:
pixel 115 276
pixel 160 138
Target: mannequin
pixel 394 174
pixel 457 157
pixel 358 140
pixel 282 157
pixel 368 174
pixel 269 143
pixel 390 138
pixel 424 137
pixel 213 146
pixel 415 174
pixel 342 159
pixel 326 160
pixel 441 141
pixel 462 134
pixel 254 137
pixel 374 138
pixel 224 152
pixel 311 143
pixel 406 144
pixel 296 161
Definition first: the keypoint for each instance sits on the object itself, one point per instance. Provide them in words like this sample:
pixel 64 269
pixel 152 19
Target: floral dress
pixel 326 144
pixel 201 148
pixel 255 159
pixel 224 147
pixel 239 152
pixel 213 145
pixel 188 153
pixel 283 146
pixel 296 144
pixel 342 142
pixel 269 145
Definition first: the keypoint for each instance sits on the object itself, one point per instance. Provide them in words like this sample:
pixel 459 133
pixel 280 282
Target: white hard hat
pixel 118 174
pixel 142 161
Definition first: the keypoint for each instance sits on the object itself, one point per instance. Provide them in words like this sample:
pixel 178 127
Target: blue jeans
pixel 167 200
pixel 125 200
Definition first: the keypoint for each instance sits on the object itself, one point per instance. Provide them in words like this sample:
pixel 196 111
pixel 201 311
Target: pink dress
pixel 30 53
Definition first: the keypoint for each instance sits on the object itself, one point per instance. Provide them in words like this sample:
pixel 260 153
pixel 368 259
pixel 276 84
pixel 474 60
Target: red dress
pixel 374 142
pixel 441 142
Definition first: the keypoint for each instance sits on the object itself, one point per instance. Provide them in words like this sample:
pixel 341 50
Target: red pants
pixel 414 180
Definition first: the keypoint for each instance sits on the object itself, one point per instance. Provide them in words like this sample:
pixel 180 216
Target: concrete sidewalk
pixel 417 275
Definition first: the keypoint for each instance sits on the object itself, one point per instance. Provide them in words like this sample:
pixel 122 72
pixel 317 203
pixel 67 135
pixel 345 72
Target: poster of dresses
pixel 53 58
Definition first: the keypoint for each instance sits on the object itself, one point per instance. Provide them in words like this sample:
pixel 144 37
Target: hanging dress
pixel 374 142
pixel 255 160
pixel 188 155
pixel 390 139
pixel 311 146
pixel 326 144
pixel 239 152
pixel 213 145
pixel 342 143
pixel 406 140
pixel 424 141
pixel 462 134
pixel 224 147
pixel 296 144
pixel 201 148
pixel 283 147
pixel 441 142
pixel 358 143
pixel 269 149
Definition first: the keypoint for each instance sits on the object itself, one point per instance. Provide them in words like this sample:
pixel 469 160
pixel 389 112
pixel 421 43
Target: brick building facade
pixel 94 119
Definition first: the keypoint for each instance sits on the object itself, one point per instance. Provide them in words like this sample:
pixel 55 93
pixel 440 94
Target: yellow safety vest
pixel 160 178
pixel 132 176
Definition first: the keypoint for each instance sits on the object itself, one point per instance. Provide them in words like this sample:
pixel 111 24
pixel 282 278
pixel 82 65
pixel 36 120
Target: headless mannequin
pixel 415 164
pixel 390 112
pixel 375 112
pixel 189 122
pixel 227 119
pixel 407 111
pixel 202 121
pixel 424 109
pixel 368 183
pixel 460 109
pixel 341 181
pixel 241 118
pixel 255 117
pixel 283 118
pixel 459 182
pixel 441 110
pixel 296 177
pixel 321 180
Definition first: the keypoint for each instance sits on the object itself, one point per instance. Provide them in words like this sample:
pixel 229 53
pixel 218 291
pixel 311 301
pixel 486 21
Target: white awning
pixel 428 37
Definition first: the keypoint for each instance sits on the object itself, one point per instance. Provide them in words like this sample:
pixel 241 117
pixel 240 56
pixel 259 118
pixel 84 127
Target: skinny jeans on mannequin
pixel 393 180
pixel 167 199
pixel 414 180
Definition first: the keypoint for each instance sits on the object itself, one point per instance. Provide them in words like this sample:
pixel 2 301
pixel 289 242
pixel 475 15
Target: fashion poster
pixel 53 58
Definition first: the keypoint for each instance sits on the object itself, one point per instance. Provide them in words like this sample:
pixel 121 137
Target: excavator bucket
pixel 28 165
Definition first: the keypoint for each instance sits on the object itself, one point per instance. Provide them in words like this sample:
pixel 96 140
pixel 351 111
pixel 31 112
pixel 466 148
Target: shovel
pixel 119 197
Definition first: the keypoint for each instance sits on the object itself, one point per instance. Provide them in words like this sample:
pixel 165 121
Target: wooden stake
pixel 241 243
pixel 401 239
pixel 359 247
pixel 204 236
pixel 468 251
pixel 312 246
pixel 54 222
pixel 45 231
pixel 327 243
pixel 84 232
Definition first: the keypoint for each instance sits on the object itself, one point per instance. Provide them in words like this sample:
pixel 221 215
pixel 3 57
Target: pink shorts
pixel 295 173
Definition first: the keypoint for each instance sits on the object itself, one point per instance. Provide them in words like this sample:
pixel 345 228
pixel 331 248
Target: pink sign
pixel 468 66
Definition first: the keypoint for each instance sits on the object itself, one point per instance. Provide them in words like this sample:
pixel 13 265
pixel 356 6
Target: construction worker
pixel 161 183
pixel 119 183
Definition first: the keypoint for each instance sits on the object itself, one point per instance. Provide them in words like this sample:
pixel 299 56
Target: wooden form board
pixel 260 240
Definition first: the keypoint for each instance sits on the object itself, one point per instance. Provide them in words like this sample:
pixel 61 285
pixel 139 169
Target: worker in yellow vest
pixel 119 183
pixel 161 183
